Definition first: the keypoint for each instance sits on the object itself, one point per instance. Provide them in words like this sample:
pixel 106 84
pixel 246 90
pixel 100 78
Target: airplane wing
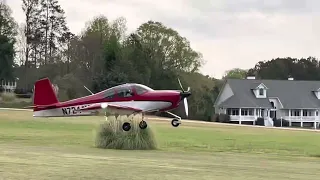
pixel 111 107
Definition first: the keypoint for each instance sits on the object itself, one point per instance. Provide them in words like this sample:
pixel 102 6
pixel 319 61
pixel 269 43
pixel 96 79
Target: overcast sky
pixel 229 33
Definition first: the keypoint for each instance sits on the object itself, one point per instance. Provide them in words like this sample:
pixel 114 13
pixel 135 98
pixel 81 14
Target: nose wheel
pixel 175 122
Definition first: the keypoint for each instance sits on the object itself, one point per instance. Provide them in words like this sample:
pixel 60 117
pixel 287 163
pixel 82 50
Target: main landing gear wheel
pixel 126 126
pixel 175 122
pixel 143 124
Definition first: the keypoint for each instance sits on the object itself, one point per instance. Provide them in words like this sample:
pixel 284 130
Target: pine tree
pixel 32 31
pixel 55 29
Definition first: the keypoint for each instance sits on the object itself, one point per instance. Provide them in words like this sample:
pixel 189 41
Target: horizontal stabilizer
pixel 41 106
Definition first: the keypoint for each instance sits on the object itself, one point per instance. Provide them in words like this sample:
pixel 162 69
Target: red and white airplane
pixel 126 99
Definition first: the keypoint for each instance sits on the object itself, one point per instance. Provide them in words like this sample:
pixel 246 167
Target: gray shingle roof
pixel 292 94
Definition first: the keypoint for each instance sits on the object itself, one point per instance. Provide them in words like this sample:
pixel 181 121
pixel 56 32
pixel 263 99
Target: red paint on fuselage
pixel 171 96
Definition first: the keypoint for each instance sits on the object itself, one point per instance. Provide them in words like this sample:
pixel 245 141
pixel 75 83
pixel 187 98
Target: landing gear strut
pixel 143 124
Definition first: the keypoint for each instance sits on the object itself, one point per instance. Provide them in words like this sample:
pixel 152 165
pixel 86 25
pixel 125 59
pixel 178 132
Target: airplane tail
pixel 44 94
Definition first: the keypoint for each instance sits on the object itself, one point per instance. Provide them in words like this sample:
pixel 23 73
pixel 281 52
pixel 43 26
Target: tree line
pixel 103 55
pixel 281 69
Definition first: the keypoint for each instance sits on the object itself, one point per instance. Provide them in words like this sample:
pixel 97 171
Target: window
pixel 295 112
pixel 247 112
pixel 307 113
pixel 233 112
pixel 272 105
pixel 109 94
pixel 124 92
pixel 140 89
pixel 261 92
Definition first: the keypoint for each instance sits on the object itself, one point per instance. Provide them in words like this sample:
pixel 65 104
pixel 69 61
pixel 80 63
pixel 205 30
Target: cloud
pixel 228 33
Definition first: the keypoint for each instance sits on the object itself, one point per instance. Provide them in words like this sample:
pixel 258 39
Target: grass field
pixel 63 148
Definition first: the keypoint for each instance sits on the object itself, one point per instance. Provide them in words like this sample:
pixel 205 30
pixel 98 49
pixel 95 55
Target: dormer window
pixel 261 91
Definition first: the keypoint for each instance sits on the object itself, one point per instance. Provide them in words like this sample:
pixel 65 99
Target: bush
pixel 215 118
pixel 277 123
pixel 8 97
pixel 224 118
pixel 111 135
pixel 260 121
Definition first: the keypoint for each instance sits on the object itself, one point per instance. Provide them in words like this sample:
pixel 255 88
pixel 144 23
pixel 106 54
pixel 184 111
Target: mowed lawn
pixel 63 148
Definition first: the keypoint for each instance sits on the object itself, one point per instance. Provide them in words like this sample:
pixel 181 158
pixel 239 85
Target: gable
pixel 262 86
pixel 225 93
pixel 317 93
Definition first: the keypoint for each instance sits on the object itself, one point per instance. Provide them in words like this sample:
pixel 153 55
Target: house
pixel 292 100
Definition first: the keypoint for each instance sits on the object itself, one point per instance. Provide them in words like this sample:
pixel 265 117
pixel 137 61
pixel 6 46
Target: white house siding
pixel 224 95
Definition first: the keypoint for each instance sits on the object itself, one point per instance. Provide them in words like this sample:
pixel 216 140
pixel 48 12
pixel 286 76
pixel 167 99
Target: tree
pixel 169 49
pixel 235 73
pixel 6 58
pixel 282 68
pixel 96 50
pixel 8 26
pixel 162 54
pixel 8 32
pixel 54 29
pixel 21 45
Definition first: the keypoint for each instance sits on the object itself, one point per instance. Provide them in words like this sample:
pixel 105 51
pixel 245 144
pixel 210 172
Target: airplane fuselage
pixel 148 101
pixel 146 106
pixel 125 99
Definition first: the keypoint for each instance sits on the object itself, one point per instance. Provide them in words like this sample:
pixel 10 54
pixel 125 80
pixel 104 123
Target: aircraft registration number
pixel 73 109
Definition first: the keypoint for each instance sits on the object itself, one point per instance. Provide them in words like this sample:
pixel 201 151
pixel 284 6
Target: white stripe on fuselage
pixel 146 106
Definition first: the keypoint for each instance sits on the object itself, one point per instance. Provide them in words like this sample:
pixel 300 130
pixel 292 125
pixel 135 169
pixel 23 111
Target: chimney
pixel 251 77
pixel 290 79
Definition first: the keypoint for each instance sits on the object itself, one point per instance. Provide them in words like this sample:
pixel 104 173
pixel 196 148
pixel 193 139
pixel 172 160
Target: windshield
pixel 140 88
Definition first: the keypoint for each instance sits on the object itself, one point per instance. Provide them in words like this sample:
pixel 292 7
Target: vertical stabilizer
pixel 43 93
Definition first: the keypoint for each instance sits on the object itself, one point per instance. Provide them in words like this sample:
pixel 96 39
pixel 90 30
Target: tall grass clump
pixel 111 136
pixel 8 97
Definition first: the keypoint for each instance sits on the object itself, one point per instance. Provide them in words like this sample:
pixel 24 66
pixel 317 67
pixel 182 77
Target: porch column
pixel 255 115
pixel 316 118
pixel 290 124
pixel 301 113
pixel 239 115
pixel 259 112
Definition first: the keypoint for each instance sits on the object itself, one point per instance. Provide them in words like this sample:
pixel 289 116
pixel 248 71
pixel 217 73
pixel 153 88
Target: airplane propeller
pixel 184 95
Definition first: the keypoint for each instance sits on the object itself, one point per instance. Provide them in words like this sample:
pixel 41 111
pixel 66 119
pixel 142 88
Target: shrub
pixel 8 97
pixel 260 121
pixel 224 118
pixel 111 135
pixel 277 123
pixel 215 118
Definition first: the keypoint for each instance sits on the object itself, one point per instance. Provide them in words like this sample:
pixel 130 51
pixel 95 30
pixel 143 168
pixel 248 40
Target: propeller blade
pixel 185 102
pixel 188 89
pixel 180 84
